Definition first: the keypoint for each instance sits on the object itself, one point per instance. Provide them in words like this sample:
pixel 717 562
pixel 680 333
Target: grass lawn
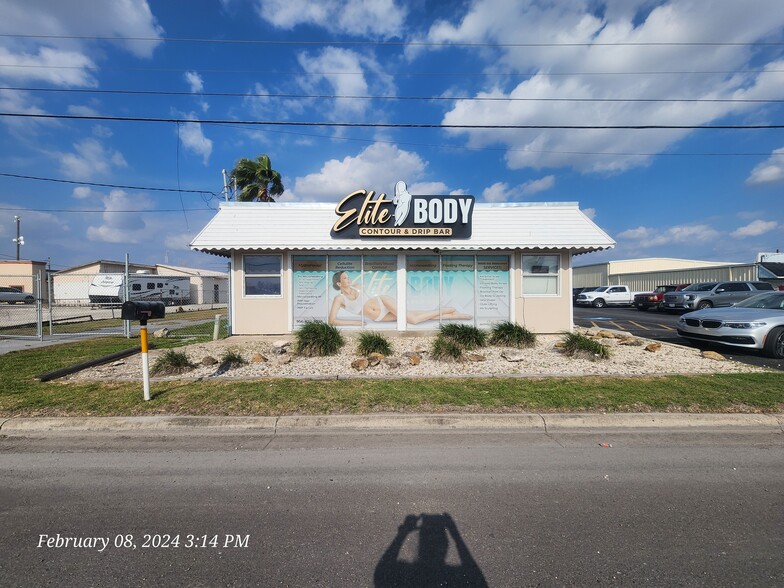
pixel 22 395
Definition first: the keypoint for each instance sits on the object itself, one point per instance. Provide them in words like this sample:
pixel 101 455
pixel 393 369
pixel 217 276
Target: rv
pixel 110 289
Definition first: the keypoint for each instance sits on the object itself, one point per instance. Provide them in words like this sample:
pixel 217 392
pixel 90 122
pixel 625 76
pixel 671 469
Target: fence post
pixel 39 311
pixel 50 288
pixel 216 327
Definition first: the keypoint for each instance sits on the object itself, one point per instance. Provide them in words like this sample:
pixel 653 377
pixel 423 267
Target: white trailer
pixel 110 289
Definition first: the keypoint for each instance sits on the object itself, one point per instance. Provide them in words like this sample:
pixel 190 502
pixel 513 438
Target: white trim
pixel 401 292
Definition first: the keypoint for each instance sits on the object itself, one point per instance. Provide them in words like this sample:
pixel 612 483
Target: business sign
pixel 366 214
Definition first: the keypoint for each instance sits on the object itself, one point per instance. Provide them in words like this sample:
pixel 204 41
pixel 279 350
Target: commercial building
pixel 25 275
pixel 408 263
pixel 643 275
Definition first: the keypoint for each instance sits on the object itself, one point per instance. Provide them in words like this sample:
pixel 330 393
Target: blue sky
pixel 715 195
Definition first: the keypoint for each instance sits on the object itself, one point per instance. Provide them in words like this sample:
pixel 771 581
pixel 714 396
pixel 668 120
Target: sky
pixel 460 67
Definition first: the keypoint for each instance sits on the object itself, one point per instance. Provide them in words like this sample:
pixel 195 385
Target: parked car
pixel 654 299
pixel 14 295
pixel 755 323
pixel 606 296
pixel 713 294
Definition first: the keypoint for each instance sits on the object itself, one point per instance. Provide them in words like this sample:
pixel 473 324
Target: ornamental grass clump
pixel 373 342
pixel 446 349
pixel 578 345
pixel 171 363
pixel 511 334
pixel 318 339
pixel 231 358
pixel 467 337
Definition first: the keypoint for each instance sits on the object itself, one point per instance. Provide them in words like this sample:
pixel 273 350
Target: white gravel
pixel 542 360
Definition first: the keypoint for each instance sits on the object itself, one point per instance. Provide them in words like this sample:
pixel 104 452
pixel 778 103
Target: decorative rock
pixel 209 361
pixel 419 350
pixel 393 362
pixel 161 333
pixel 605 334
pixel 360 364
pixel 374 359
pixel 513 355
pixel 409 353
pixel 475 357
pixel 559 345
pixel 285 358
pixel 653 347
pixel 414 359
pixel 713 355
pixel 281 346
pixel 631 341
pixel 118 363
pixel 258 358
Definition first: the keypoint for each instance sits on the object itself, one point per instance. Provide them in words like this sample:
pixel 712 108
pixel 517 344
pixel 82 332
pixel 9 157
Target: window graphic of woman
pixel 381 308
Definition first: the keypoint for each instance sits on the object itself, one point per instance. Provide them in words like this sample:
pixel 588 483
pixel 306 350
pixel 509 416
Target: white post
pixel 225 186
pixel 216 328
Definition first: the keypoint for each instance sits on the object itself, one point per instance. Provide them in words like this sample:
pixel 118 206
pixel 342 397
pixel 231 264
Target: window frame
pixel 246 275
pixel 533 275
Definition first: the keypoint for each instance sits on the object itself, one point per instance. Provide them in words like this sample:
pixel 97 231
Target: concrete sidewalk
pixel 542 422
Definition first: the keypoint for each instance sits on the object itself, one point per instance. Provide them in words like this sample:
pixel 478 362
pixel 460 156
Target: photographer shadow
pixel 430 568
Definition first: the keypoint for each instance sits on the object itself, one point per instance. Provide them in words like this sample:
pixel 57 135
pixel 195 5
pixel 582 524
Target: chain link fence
pixel 90 305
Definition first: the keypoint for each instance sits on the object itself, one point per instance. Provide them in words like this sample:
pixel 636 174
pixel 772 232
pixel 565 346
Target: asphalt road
pixel 500 509
pixel 661 326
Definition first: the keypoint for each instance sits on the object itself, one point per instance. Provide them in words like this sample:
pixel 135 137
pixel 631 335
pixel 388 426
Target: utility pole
pixel 19 239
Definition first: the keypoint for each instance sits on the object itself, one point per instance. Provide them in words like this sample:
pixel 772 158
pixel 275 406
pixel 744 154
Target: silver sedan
pixel 755 323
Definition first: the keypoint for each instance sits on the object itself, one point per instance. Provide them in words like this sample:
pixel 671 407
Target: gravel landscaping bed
pixel 411 359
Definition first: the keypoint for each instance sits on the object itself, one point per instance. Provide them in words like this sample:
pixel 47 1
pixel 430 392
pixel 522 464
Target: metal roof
pixel 244 226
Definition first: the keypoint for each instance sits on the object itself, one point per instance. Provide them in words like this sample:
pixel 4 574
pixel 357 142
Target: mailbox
pixel 142 310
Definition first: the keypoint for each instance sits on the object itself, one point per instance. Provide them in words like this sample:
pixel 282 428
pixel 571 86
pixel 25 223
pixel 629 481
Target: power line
pixel 103 210
pixel 397 43
pixel 638 127
pixel 100 185
pixel 407 73
pixel 400 98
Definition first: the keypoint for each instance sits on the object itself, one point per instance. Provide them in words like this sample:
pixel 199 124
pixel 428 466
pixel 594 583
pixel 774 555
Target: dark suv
pixel 712 294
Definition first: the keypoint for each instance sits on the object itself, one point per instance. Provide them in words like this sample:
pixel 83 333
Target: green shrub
pixel 317 338
pixel 171 363
pixel 512 335
pixel 372 342
pixel 446 349
pixel 232 358
pixel 576 344
pixel 466 336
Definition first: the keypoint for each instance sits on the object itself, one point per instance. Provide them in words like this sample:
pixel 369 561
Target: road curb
pixel 546 423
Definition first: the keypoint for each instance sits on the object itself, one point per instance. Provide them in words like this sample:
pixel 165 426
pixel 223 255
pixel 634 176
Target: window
pixel 540 275
pixel 262 275
pixel 733 287
pixel 160 284
pixel 151 285
pixel 136 287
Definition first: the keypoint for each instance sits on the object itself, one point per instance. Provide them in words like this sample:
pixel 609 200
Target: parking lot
pixel 661 326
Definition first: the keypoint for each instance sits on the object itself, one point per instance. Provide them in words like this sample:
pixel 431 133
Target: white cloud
pixel 540 185
pixel 193 139
pixel 377 168
pixel 118 226
pixel 769 171
pixel 498 192
pixel 90 159
pixel 195 81
pixel 552 77
pixel 590 213
pixel 82 110
pixel 647 238
pixel 501 192
pixel 754 229
pixel 374 18
pixel 343 70
pixel 82 192
pixel 83 18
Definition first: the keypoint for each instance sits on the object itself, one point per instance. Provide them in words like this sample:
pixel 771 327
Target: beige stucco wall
pixel 23 273
pixel 256 316
pixel 272 315
pixel 544 314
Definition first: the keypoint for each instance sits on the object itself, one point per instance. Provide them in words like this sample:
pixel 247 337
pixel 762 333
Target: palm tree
pixel 256 180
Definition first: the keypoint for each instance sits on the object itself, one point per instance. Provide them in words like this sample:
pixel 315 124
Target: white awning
pixel 262 226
